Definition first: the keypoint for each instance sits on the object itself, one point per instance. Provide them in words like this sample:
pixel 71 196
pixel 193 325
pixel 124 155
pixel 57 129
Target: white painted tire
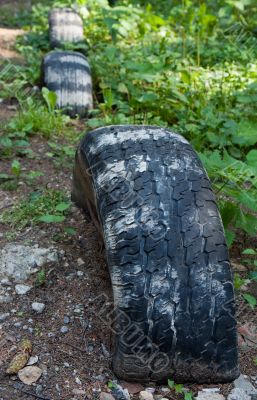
pixel 174 314
pixel 65 26
pixel 67 73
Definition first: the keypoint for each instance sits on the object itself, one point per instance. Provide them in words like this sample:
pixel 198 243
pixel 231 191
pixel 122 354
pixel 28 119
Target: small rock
pixel 32 360
pixel 209 396
pixel 106 396
pixel 6 299
pixel 64 329
pixel 78 381
pixel 80 273
pixel 238 394
pixel 132 388
pixel 165 389
pixel 80 262
pixel 38 307
pixel 22 289
pixel 119 393
pixel 78 391
pixel 245 385
pixel 39 389
pixel 100 378
pixel 18 262
pixel 144 395
pixel 211 390
pixel 29 375
pixel 5 282
pixel 4 316
pixel 66 320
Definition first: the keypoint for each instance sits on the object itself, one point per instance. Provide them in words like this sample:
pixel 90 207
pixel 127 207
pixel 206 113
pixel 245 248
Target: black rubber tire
pixel 166 252
pixel 65 26
pixel 67 73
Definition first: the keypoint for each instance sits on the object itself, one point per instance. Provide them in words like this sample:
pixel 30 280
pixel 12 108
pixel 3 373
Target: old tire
pixel 168 260
pixel 65 26
pixel 67 73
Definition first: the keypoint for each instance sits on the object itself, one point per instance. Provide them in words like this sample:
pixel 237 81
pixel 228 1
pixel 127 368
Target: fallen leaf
pixel 17 363
pixel 21 358
pixel 29 375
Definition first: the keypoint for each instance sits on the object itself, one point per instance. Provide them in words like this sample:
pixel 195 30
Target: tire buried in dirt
pixel 67 73
pixel 65 26
pixel 166 251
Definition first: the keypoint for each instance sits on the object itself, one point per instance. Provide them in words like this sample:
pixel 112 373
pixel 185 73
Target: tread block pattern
pixel 65 26
pixel 166 253
pixel 67 73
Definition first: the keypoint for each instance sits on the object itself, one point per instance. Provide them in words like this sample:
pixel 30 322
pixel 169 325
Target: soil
pixel 76 364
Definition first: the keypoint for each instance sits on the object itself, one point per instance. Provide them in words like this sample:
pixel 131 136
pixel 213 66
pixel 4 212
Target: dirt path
pixel 7 41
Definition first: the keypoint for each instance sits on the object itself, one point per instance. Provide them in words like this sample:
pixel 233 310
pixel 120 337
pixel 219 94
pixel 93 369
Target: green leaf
pixel 230 237
pixel 249 251
pixel 188 396
pixel 50 98
pixel 246 133
pixel 171 384
pixel 5 142
pixel 70 231
pixel 49 218
pixel 253 275
pixel 16 168
pixel 252 158
pixel 122 88
pixel 62 206
pixel 251 300
pixel 148 97
pixel 5 177
pixel 179 388
pixel 238 282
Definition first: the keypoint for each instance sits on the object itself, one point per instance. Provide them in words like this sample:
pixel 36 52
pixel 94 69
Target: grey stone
pixel 38 307
pixel 18 262
pixel 145 395
pixel 238 394
pixel 209 396
pixel 5 282
pixel 64 329
pixel 6 299
pixel 22 289
pixel 4 316
pixel 244 384
pixel 106 396
pixel 66 320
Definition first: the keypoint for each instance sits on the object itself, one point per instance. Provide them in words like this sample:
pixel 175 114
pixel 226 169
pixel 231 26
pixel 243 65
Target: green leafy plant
pixel 251 300
pixel 180 389
pixel 41 278
pixel 48 206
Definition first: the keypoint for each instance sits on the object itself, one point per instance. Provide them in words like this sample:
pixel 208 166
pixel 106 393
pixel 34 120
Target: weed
pixel 48 206
pixel 41 278
pixel 180 389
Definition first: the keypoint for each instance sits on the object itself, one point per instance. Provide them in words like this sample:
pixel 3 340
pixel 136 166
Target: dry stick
pixel 75 347
pixel 34 395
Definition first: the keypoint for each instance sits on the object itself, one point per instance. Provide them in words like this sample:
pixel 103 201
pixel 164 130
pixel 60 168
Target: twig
pixel 35 395
pixel 75 347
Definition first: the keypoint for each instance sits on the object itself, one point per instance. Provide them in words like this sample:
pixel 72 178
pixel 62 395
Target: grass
pixel 47 206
